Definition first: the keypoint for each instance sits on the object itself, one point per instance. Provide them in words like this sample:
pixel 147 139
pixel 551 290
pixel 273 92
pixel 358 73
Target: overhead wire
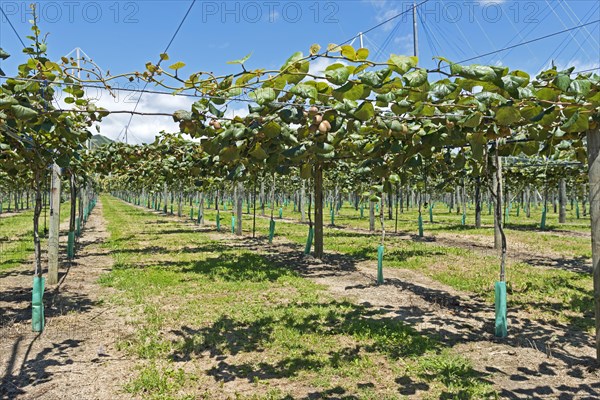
pixel 528 41
pixel 565 42
pixel 161 59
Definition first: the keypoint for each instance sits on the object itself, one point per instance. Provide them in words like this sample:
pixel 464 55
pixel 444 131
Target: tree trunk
pixel 36 228
pixel 478 202
pixel 562 200
pixel 73 214
pixel 302 201
pixel 497 197
pixel 371 214
pixel 262 197
pixel 319 211
pixel 593 149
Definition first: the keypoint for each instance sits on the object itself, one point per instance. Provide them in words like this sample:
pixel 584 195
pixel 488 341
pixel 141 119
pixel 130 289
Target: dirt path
pixel 540 359
pixel 75 357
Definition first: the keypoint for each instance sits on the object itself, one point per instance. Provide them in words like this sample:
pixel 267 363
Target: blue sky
pixel 121 36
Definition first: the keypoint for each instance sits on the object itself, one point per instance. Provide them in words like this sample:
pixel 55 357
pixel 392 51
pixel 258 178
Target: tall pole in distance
pixel 415 33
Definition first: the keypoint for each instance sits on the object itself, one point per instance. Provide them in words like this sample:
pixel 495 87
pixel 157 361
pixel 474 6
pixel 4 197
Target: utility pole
pixel 415 33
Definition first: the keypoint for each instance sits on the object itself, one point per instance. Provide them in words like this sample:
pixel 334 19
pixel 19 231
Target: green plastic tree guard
pixel 280 213
pixel 271 230
pixel 362 211
pixel 380 264
pixel 431 213
pixel 232 224
pixel 77 226
pixel 71 245
pixel 218 222
pixel 464 219
pixel 518 209
pixel 37 305
pixel 490 208
pixel 192 214
pixel 309 240
pixel 501 325
pixel 420 225
pixel 332 213
pixel 577 210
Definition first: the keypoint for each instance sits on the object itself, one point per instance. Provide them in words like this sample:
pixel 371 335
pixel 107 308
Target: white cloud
pixel 404 45
pixel 319 66
pixel 142 128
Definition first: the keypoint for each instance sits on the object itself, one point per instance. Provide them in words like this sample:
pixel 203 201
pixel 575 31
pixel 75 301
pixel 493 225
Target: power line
pixel 393 17
pixel 529 41
pixel 159 62
pixel 13 27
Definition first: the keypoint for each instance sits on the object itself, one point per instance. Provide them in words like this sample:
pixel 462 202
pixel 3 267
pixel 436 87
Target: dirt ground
pixel 76 358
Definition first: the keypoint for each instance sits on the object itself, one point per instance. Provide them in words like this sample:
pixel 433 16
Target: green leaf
pixel 23 112
pixel 305 91
pixel 507 115
pixel 577 123
pixel 547 94
pixel 241 60
pixel 297 56
pixel 182 115
pixel 271 129
pixel 229 154
pixel 442 88
pixel 215 111
pixel 3 54
pixel 402 64
pixel 580 87
pixel 362 54
pixel 365 111
pixel 472 120
pixel 415 78
pixel 177 65
pixel 349 52
pixel 314 49
pixel 338 76
pixel 164 56
pixel 306 171
pixel 263 95
pixel 6 102
pixel 258 152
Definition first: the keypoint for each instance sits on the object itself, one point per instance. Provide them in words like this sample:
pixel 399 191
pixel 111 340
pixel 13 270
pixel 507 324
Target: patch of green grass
pixel 236 316
pixel 553 293
pixel 16 237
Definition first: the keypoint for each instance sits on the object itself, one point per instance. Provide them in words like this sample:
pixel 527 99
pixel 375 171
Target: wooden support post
pixel 54 232
pixel 593 150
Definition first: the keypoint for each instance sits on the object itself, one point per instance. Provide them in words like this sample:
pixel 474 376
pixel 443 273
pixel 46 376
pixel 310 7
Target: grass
pixel 560 293
pixel 225 319
pixel 16 237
